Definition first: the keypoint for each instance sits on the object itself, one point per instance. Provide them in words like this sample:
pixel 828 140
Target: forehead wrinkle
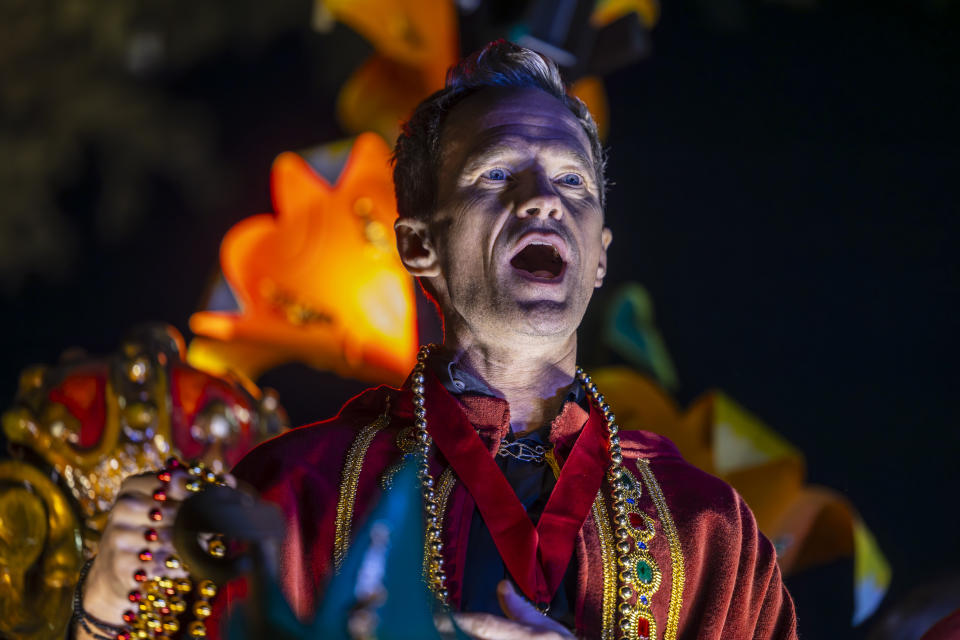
pixel 519 145
pixel 482 118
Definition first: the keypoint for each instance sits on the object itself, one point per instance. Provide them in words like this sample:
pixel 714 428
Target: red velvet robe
pixel 719 577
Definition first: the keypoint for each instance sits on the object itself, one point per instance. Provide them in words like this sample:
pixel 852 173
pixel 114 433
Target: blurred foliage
pixel 89 121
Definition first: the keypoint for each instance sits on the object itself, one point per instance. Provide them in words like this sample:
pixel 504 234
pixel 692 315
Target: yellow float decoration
pixel 416 41
pixel 40 552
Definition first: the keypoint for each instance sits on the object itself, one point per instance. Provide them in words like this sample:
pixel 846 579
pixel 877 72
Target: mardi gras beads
pixel 157 602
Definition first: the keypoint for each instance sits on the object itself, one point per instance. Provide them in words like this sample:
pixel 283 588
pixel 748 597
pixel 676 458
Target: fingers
pixel 515 606
pixel 133 538
pixel 127 543
pixel 519 609
pixel 486 626
pixel 525 621
pixel 142 484
pixel 177 488
pixel 135 510
pixel 137 543
pixel 146 500
pixel 146 484
pixel 142 520
pixel 144 513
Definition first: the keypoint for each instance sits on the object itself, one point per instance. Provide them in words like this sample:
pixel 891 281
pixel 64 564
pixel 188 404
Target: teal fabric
pixel 381 574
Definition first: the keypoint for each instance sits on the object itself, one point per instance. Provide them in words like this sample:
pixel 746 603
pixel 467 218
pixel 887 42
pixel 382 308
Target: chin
pixel 547 318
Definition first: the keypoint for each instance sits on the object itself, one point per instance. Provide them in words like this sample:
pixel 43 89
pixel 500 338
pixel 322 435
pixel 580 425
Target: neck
pixel 533 378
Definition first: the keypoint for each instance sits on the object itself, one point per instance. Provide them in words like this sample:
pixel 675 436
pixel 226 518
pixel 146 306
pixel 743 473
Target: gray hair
pixel 499 64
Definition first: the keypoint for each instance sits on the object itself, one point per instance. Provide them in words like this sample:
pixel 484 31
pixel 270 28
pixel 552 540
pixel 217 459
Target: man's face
pixel 518 229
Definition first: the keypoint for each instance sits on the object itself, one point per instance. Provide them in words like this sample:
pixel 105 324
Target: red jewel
pixel 140 575
pixel 165 611
pixel 123 635
pixel 145 555
pixel 150 535
pixel 164 476
pixel 173 463
pixel 134 596
pixel 643 627
pixel 170 592
pixel 129 617
pixel 156 515
pixel 159 495
pixel 636 521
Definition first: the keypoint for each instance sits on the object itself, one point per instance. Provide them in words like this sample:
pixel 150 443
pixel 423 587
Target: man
pixel 543 519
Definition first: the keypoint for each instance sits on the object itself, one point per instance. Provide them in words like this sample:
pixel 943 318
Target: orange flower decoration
pixel 320 282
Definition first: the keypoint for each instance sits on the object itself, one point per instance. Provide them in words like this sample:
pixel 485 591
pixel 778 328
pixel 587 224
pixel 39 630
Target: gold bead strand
pixel 201 477
pixel 433 540
pixel 618 487
pixel 202 609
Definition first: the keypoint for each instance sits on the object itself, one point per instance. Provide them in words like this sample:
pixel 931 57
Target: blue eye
pixel 497 175
pixel 571 180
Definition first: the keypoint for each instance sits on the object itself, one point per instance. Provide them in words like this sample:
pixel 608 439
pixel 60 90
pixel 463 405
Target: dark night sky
pixel 785 189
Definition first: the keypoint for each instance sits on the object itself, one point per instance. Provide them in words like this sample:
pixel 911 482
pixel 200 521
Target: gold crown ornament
pixel 77 429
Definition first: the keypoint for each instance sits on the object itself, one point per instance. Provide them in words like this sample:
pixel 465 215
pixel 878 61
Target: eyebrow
pixel 504 147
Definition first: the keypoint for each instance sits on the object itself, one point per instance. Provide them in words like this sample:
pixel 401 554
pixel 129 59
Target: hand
pixel 111 576
pixel 523 621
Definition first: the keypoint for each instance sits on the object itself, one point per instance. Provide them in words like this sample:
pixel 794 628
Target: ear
pixel 606 237
pixel 416 248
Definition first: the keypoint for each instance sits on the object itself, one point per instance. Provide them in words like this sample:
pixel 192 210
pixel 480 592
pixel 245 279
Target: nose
pixel 542 201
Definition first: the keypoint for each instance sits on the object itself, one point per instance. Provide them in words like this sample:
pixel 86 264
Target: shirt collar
pixel 458 381
pixel 461 384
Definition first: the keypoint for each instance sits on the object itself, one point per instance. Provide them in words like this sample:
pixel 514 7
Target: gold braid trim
pixel 348 486
pixel 444 488
pixel 406 444
pixel 551 460
pixel 676 552
pixel 609 558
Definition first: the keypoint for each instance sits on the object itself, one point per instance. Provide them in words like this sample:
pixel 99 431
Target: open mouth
pixel 540 260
